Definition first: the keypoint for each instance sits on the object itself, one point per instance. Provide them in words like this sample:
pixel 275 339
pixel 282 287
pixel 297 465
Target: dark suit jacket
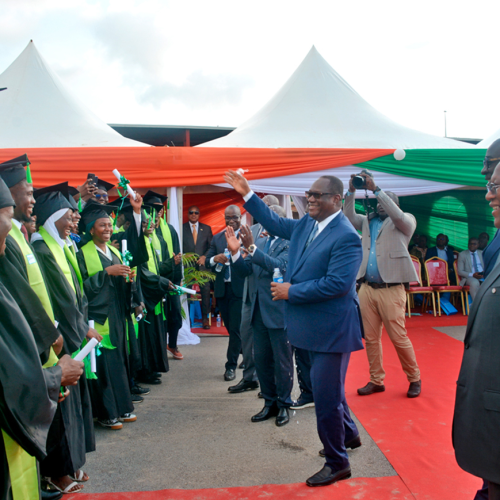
pixel 476 423
pixel 202 241
pixel 260 269
pixel 218 245
pixel 322 311
pixel 432 252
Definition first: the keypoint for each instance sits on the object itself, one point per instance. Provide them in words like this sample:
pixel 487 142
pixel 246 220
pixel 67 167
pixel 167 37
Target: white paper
pixel 129 189
pixel 185 290
pixel 124 247
pixel 93 367
pixel 435 264
pixel 86 350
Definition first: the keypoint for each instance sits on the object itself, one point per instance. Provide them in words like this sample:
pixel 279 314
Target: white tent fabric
pixel 317 108
pixel 38 111
pixel 297 184
pixel 486 143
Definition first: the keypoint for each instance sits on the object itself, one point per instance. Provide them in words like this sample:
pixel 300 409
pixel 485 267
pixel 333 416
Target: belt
pixel 376 286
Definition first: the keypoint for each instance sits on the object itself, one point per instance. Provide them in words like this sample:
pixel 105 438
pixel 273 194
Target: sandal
pixel 79 476
pixel 68 488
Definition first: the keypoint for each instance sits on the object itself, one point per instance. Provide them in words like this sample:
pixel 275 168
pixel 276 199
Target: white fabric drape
pixel 300 203
pixel 186 336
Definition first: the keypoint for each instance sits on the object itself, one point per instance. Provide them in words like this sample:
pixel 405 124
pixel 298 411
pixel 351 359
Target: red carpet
pixel 212 331
pixel 414 434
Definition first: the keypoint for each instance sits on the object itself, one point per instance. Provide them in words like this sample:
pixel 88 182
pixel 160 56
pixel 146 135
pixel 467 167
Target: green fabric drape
pixel 454 166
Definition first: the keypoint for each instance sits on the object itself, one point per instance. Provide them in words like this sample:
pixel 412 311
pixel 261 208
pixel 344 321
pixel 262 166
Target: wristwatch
pixel 252 248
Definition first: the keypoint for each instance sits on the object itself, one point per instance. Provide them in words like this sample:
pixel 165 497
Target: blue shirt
pixel 372 272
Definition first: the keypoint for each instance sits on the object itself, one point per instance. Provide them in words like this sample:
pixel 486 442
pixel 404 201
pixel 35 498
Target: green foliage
pixel 191 274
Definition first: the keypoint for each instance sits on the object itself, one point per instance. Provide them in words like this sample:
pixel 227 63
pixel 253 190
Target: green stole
pixel 94 265
pixel 153 244
pixel 22 470
pixel 36 282
pixel 167 236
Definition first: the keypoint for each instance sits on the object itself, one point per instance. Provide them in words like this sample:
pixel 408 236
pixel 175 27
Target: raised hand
pixel 137 203
pixel 246 236
pixel 233 243
pixel 239 183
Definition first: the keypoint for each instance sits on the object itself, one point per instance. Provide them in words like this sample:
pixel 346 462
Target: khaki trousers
pixel 386 306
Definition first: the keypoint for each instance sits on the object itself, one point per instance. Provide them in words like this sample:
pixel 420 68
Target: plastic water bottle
pixel 219 322
pixel 227 254
pixel 277 276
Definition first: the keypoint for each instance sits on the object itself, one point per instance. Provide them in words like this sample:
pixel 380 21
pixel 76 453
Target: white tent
pixel 486 143
pixel 317 108
pixel 38 111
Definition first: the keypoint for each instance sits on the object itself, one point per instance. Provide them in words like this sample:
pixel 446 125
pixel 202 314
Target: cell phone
pixel 92 178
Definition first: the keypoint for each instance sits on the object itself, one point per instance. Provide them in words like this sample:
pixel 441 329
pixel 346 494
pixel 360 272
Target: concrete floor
pixel 456 332
pixel 191 433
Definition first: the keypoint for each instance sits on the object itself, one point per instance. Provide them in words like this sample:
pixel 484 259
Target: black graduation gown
pixel 152 335
pixel 14 276
pixel 76 411
pixel 28 394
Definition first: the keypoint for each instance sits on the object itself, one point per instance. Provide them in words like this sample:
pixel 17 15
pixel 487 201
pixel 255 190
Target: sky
pixel 216 63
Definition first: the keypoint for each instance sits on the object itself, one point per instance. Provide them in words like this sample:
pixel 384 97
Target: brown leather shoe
pixel 175 353
pixel 414 389
pixel 370 388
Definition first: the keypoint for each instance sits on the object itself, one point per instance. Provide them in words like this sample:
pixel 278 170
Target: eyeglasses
pixel 101 196
pixel 232 217
pixel 316 196
pixel 487 160
pixel 193 213
pixel 492 188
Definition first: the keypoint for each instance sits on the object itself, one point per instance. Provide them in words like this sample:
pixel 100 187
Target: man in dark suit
pixel 322 309
pixel 272 350
pixel 445 252
pixel 228 289
pixel 196 238
pixel 476 423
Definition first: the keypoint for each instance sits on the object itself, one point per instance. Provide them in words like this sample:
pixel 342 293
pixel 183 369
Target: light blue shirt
pixel 442 254
pixel 372 272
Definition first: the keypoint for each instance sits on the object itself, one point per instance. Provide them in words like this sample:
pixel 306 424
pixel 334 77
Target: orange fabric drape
pixel 154 167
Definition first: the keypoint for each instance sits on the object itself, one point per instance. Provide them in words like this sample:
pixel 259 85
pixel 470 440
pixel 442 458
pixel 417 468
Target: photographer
pixel 386 266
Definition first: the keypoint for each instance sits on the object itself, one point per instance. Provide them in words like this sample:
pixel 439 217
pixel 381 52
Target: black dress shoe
pixel 152 380
pixel 140 391
pixel 370 388
pixel 414 389
pixel 242 386
pixel 260 395
pixel 352 444
pixel 51 495
pixel 327 476
pixel 283 417
pixel 137 399
pixel 242 366
pixel 266 413
pixel 229 375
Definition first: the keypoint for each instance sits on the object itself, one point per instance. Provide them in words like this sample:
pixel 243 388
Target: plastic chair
pixel 465 289
pixel 437 278
pixel 417 288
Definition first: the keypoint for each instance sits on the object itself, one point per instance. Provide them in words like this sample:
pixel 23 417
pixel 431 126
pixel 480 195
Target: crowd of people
pixel 310 289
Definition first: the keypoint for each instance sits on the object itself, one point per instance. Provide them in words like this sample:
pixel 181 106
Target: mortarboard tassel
pixel 80 204
pixel 29 180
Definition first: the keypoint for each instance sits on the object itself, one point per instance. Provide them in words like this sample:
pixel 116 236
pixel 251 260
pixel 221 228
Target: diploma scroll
pixel 120 178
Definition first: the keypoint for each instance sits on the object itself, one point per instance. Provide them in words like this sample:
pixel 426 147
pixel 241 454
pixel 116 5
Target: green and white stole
pixel 36 282
pixel 94 265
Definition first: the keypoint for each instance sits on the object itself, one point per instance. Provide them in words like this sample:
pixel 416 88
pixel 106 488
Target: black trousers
pixel 205 297
pixel 273 362
pixel 303 362
pixel 174 320
pixel 230 310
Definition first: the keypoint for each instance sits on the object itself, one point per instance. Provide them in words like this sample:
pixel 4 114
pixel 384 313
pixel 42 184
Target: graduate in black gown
pixel 72 433
pixel 107 283
pixel 28 393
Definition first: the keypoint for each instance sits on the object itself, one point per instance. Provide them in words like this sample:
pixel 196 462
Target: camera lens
pixel 359 182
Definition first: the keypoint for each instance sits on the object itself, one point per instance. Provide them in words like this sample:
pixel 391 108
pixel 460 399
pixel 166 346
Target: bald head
pixel 270 199
pixel 278 210
pixel 491 160
pixel 232 214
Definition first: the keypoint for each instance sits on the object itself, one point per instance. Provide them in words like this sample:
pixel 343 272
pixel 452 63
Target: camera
pixel 359 182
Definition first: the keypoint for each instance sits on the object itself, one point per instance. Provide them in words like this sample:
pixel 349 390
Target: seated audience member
pixel 445 253
pixel 483 240
pixel 420 249
pixel 414 241
pixel 471 266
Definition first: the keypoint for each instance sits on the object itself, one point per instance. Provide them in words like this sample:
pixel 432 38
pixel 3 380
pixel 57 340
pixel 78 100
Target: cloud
pixel 199 90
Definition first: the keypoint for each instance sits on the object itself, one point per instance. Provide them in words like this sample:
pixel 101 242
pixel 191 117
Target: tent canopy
pixel 37 110
pixel 317 108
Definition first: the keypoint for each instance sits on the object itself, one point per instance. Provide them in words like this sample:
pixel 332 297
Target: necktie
pixel 195 234
pixel 474 261
pixel 313 234
pixel 25 232
pixel 267 246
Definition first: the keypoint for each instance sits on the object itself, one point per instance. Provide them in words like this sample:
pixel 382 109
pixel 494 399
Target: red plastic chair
pixel 437 278
pixel 465 289
pixel 416 287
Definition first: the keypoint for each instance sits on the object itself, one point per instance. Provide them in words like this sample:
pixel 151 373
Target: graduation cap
pixel 73 192
pixel 49 200
pixel 12 171
pixel 106 186
pixel 5 196
pixel 91 213
pixel 155 199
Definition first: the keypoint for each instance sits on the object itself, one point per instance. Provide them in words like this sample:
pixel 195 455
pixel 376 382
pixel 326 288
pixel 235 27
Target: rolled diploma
pixel 185 290
pixel 93 367
pixel 129 189
pixel 86 350
pixel 124 247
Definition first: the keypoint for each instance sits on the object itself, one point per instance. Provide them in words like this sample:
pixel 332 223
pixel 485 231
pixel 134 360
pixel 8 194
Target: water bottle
pixel 277 276
pixel 219 322
pixel 227 254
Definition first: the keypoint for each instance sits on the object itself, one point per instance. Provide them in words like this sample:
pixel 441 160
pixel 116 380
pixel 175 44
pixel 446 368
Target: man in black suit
pixel 196 238
pixel 445 252
pixel 272 350
pixel 228 289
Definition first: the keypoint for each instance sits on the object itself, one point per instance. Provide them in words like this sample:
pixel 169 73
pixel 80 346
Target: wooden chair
pixel 465 289
pixel 416 287
pixel 437 278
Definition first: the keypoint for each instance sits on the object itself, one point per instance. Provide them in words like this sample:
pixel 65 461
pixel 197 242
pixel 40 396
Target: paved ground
pixel 191 433
pixel 456 332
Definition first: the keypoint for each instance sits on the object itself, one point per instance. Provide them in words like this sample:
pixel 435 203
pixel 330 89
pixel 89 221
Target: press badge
pixel 31 259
